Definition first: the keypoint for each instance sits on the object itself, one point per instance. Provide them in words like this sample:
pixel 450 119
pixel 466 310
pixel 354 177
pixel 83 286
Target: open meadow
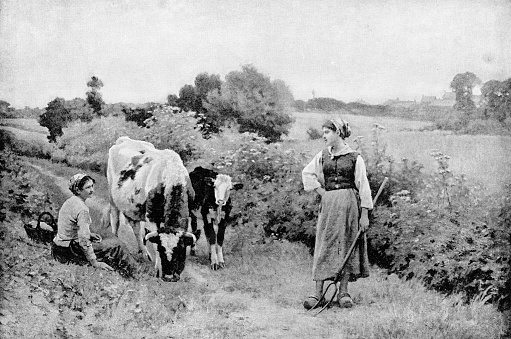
pixel 485 159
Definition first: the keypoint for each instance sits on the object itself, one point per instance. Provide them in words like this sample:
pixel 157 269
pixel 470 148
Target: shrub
pixel 313 133
pixel 86 145
pixel 443 236
pixel 273 200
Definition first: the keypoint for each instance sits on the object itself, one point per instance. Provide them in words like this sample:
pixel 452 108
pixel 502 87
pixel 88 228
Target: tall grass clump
pixel 86 145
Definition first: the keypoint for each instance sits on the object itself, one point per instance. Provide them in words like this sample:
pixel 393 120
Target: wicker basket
pixel 40 234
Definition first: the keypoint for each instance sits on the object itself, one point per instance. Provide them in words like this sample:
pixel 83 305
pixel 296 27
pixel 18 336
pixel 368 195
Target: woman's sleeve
pixel 84 222
pixel 363 184
pixel 312 174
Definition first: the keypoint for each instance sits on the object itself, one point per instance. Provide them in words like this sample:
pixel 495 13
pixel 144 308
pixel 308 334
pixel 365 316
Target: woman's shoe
pixel 345 301
pixel 312 302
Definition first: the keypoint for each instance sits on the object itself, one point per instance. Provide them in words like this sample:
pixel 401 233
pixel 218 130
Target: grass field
pixel 484 159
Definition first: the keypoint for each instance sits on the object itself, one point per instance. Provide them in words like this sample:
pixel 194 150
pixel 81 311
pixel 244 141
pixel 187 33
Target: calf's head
pixel 222 186
pixel 171 252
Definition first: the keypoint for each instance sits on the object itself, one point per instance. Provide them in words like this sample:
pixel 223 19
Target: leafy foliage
pixel 55 117
pixel 94 97
pixel 139 115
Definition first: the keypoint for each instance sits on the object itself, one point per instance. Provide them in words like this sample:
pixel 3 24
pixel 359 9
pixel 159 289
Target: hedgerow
pixel 86 145
pixel 446 235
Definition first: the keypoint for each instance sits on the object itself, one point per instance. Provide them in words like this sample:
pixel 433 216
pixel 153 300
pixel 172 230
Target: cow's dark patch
pixel 155 205
pixel 133 168
pixel 174 208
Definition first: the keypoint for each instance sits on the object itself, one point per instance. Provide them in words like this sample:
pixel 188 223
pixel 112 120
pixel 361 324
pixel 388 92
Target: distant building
pixel 449 96
pixel 360 101
pixel 427 99
pixel 396 103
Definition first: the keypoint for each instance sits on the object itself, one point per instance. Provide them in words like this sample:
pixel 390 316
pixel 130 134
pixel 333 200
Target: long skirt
pixel 110 251
pixel 337 227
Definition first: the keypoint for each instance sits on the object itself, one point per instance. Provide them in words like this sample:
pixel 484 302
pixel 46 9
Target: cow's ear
pixel 189 239
pixel 237 185
pixel 153 237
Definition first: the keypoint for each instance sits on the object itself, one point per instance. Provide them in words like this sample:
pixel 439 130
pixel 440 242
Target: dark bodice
pixel 339 172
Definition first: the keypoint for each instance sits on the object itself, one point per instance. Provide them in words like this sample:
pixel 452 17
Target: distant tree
pixel 5 110
pixel 94 97
pixel 79 109
pixel 257 103
pixel 173 100
pixel 300 105
pixel 209 121
pixel 187 98
pixel 55 117
pixel 463 84
pixel 496 97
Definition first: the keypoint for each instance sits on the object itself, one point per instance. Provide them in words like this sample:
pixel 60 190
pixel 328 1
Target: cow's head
pixel 171 252
pixel 222 186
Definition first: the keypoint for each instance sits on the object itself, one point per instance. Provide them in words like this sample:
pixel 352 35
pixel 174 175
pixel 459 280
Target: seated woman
pixel 75 243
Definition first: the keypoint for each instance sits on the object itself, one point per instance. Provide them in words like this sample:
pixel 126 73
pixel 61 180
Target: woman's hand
pixel 321 191
pixel 364 220
pixel 102 265
pixel 94 237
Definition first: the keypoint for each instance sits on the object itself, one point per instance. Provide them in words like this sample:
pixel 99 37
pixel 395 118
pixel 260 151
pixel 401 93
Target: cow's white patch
pixel 169 242
pixel 223 187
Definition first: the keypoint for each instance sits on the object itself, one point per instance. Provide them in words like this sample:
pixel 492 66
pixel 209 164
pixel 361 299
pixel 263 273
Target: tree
pixel 79 109
pixel 187 98
pixel 94 98
pixel 209 121
pixel 497 99
pixel 258 105
pixel 55 117
pixel 462 84
pixel 5 109
pixel 173 100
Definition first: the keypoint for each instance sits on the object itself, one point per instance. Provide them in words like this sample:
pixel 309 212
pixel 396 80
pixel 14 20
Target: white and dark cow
pixel 151 187
pixel 212 199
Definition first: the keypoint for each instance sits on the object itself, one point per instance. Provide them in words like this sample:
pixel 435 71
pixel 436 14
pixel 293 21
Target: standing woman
pixel 338 174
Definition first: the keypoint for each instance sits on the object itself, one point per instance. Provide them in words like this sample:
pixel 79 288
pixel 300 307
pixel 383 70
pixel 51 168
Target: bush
pixel 314 134
pixel 443 236
pixel 9 141
pixel 86 145
pixel 19 194
pixel 273 200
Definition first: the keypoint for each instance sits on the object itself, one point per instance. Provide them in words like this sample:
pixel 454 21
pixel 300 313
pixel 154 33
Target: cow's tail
pixel 105 217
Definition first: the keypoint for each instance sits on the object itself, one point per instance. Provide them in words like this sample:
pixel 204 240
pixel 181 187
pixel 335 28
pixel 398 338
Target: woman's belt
pixel 332 186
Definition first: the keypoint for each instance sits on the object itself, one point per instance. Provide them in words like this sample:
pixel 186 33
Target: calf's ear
pixel 189 239
pixel 237 185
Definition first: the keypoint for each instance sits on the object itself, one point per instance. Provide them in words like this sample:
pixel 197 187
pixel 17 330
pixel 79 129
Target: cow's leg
pixel 139 235
pixel 193 226
pixel 114 219
pixel 211 236
pixel 220 241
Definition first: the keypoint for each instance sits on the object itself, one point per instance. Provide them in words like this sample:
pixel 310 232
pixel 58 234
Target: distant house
pixel 362 102
pixel 396 103
pixel 449 96
pixel 448 100
pixel 427 99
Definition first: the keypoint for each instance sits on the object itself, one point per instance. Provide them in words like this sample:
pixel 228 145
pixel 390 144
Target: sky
pixel 370 50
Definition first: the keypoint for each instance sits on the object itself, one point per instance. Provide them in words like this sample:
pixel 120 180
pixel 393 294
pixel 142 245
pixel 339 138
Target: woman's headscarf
pixel 338 124
pixel 77 181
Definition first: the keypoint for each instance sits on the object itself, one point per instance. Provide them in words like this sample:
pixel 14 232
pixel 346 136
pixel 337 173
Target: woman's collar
pixel 345 149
